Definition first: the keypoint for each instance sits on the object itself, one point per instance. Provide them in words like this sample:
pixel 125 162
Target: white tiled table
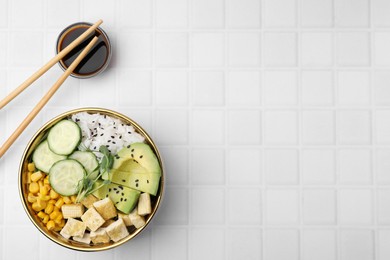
pixel 273 118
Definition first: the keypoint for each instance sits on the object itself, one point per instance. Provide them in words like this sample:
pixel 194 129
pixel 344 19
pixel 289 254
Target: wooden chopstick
pixel 49 64
pixel 46 98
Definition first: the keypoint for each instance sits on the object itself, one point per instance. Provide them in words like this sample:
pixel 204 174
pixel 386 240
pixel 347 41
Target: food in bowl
pixel 93 179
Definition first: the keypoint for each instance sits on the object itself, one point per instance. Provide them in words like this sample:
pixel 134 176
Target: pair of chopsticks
pixel 53 89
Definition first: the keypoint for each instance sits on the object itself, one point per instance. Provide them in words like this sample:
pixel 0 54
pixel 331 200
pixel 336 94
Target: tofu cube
pixel 99 236
pixel 88 201
pixel 117 230
pixel 72 210
pixel 106 208
pixel 73 228
pixel 144 205
pixel 125 218
pixel 137 220
pixel 92 219
pixel 86 239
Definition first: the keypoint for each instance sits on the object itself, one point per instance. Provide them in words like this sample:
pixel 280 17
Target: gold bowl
pixel 23 186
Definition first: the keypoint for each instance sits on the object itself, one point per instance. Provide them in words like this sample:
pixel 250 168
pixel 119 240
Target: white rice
pixel 100 130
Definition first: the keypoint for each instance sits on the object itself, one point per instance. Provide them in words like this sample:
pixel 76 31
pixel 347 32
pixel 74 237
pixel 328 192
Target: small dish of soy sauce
pixel 97 59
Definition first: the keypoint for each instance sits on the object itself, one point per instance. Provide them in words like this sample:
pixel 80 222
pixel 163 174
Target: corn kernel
pixel 73 198
pixel 53 194
pixel 44 197
pixel 36 207
pixel 52 201
pixel 57 228
pixel 46 219
pixel 31 198
pixel 54 215
pixel 46 181
pixel 58 220
pixel 49 208
pixel 31 167
pixel 41 203
pixel 33 187
pixel 59 203
pixel 43 190
pixel 62 223
pixel 40 182
pixel 50 225
pixel 36 176
pixel 67 200
pixel 41 214
pixel 29 177
pixel 56 208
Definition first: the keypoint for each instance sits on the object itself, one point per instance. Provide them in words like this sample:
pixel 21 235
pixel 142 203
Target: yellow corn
pixel 36 176
pixel 43 190
pixel 41 214
pixel 67 200
pixel 53 194
pixel 44 197
pixel 41 203
pixel 59 203
pixel 40 183
pixel 50 225
pixel 62 223
pixel 52 201
pixel 46 181
pixel 73 198
pixel 57 228
pixel 33 187
pixel 54 215
pixel 58 219
pixel 29 177
pixel 31 198
pixel 36 207
pixel 31 167
pixel 49 208
pixel 46 219
pixel 56 208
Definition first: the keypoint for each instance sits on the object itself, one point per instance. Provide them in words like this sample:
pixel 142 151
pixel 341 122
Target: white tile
pixel 51 250
pixel 138 88
pixel 169 243
pixel 240 212
pixel 353 87
pixel 280 127
pixel 244 49
pixel 317 87
pixel 317 127
pixel 2 208
pixel 355 206
pixel 171 14
pixel 280 87
pixel 25 57
pixel 175 209
pixel 243 88
pixel 27 236
pixel 13 156
pixel 316 49
pixel 207 14
pixel 14 214
pixel 135 13
pixel 208 127
pixel 142 116
pixel 138 248
pixel 357 244
pixel 62 14
pixel 383 244
pixel 281 244
pixel 380 8
pixel 176 164
pixel 171 49
pixel 316 13
pixel 22 10
pixel 280 49
pixel 244 243
pixel 244 166
pixel 381 52
pixel 354 127
pixel 382 209
pixel 101 256
pixel 319 244
pixel 171 88
pixel 99 90
pixel 382 126
pixel 207 243
pixel 281 166
pixel 4 13
pixel 243 13
pixel 381 81
pixel 172 127
pixel 208 49
pixel 354 166
pixel 93 10
pixel 208 167
pixel 318 166
pixel 244 127
pixel 135 49
pixel 352 49
pixel 208 88
pixel 3 48
pixel 382 166
pixel 282 206
pixel 71 87
pixel 319 207
pixel 352 13
pixel 208 206
pixel 279 13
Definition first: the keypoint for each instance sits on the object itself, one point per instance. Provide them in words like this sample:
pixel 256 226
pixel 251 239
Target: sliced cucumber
pixel 64 137
pixel 66 176
pixel 44 158
pixel 89 161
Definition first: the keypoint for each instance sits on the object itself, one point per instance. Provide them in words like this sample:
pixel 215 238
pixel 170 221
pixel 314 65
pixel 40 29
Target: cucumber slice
pixel 65 177
pixel 44 158
pixel 89 161
pixel 64 137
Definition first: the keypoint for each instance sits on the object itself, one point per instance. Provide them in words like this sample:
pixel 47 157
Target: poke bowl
pixel 91 179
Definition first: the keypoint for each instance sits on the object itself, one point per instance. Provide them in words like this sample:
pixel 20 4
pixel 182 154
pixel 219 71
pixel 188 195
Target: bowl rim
pixel 54 120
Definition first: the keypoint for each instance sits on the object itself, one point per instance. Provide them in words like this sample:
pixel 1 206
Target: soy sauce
pixel 97 57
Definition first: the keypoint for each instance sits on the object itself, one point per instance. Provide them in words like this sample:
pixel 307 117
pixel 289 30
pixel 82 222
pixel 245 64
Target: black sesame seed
pixel 106 195
pixel 120 137
pixel 112 137
pixel 117 192
pixel 121 199
pixel 105 116
pixel 109 189
pixel 117 202
pixel 141 156
pixel 115 189
pixel 101 134
pixel 120 187
pixel 125 199
pixel 109 141
pixel 113 142
pixel 136 180
pixel 136 185
pixel 107 145
pixel 147 181
pixel 132 150
pixel 123 180
pixel 129 132
pixel 123 194
pixel 132 155
pixel 128 146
